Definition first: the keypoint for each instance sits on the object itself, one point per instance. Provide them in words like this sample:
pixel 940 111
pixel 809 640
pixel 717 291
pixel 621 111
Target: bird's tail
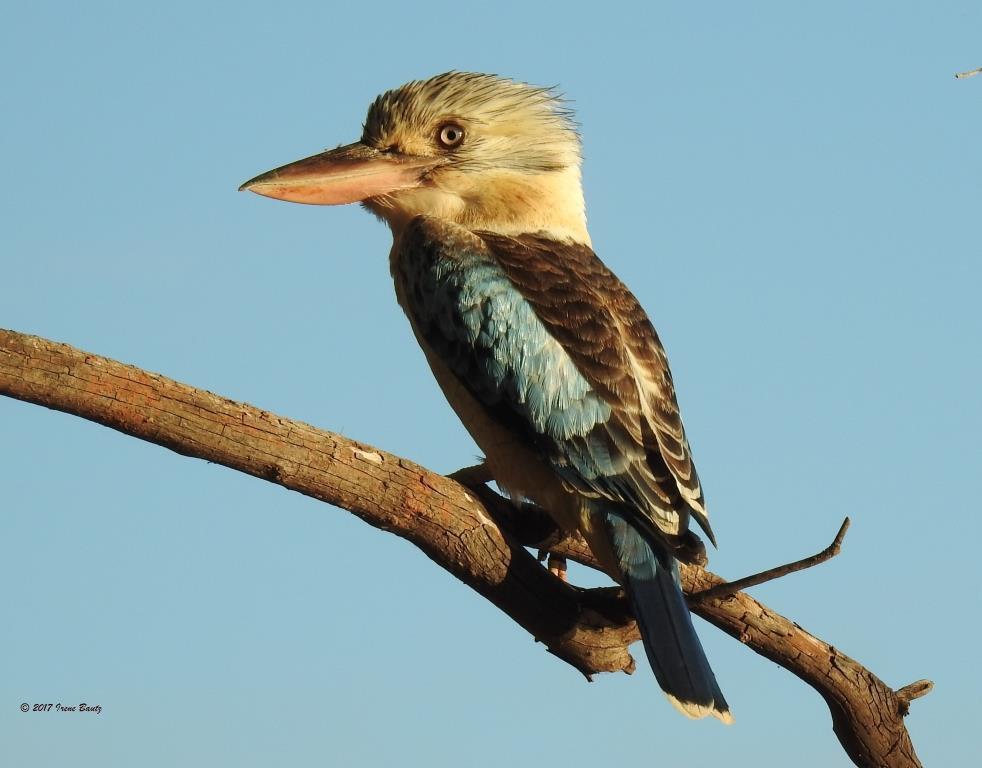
pixel 651 577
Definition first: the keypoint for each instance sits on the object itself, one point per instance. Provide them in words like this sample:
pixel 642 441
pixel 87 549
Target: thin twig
pixel 730 587
pixel 970 73
pixel 915 690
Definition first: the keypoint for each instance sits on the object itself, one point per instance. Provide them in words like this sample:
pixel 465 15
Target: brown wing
pixel 610 339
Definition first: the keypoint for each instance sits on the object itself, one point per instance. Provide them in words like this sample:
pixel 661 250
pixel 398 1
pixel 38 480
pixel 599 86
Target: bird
pixel 547 358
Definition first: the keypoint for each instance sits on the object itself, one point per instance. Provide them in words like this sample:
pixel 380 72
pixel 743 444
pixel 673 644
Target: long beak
pixel 347 174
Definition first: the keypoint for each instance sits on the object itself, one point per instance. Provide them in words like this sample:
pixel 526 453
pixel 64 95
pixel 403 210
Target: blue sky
pixel 791 191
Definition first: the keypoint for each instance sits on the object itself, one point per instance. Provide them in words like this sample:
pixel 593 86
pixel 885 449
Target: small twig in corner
pixel 728 588
pixel 913 691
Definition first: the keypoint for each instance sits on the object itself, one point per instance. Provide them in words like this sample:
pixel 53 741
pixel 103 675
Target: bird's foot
pixel 479 474
pixel 557 566
pixel 689 548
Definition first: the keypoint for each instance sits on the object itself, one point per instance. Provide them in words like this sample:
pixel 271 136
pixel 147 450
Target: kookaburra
pixel 546 357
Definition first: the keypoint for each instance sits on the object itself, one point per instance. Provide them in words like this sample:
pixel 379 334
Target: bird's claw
pixel 557 566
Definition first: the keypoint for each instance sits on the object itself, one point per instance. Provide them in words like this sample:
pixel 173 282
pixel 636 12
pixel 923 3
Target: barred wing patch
pixel 605 330
pixel 555 346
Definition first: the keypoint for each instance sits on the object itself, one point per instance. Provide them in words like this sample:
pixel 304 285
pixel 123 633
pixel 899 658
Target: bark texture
pixel 469 531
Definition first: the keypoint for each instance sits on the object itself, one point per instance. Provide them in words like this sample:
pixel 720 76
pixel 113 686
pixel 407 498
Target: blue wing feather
pixel 548 356
pixel 488 334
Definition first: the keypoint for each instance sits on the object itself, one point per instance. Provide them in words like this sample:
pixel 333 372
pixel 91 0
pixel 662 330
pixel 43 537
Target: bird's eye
pixel 451 135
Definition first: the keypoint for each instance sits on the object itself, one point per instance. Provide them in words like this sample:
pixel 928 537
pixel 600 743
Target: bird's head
pixel 479 150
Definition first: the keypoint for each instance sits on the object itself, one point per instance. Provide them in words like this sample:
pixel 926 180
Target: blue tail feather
pixel 676 656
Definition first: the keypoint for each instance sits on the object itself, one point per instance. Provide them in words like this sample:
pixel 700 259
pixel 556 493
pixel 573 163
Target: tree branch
pixel 729 587
pixel 471 532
